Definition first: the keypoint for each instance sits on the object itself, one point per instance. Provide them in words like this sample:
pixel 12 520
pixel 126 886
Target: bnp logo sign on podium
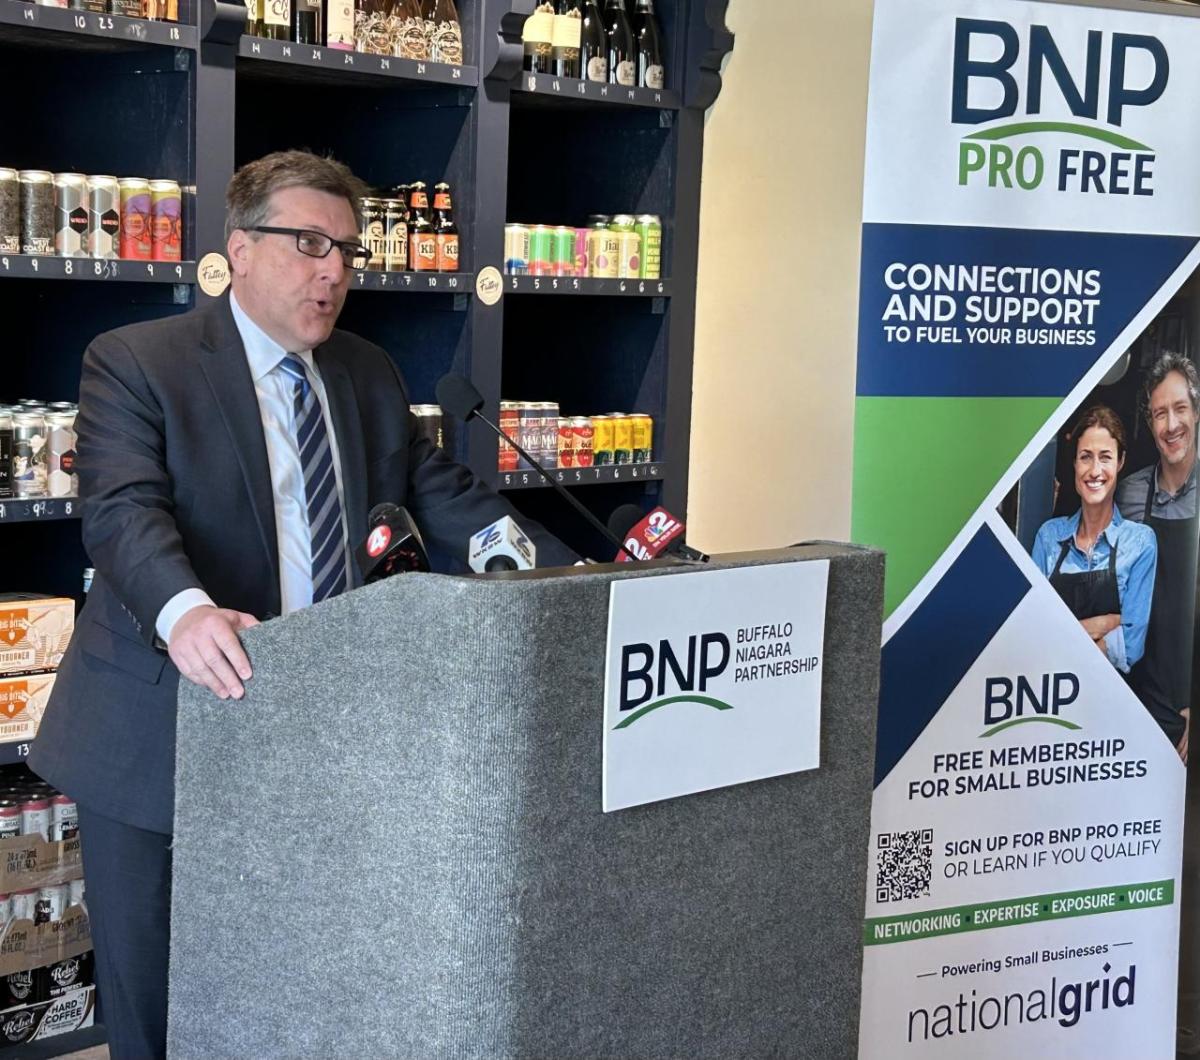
pixel 713 678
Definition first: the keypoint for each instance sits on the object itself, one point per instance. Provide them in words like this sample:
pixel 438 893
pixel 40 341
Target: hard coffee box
pixel 30 1023
pixel 22 703
pixel 34 632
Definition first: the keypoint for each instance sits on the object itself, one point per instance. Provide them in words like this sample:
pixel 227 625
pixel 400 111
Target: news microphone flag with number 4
pixel 1032 201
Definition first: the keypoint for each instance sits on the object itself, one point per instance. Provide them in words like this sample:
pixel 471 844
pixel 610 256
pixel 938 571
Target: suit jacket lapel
pixel 228 375
pixel 352 453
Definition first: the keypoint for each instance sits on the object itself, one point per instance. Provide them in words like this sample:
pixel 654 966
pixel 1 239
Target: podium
pixel 394 845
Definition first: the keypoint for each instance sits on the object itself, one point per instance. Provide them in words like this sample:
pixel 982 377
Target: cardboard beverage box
pixel 34 632
pixel 22 703
pixel 72 1011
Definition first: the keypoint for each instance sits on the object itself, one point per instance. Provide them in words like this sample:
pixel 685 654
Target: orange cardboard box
pixel 34 633
pixel 22 702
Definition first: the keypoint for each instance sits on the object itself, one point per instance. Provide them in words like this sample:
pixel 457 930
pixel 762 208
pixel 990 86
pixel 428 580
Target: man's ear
pixel 239 246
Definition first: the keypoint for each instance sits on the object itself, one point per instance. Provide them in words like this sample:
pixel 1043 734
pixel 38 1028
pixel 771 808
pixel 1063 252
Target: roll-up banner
pixel 1025 451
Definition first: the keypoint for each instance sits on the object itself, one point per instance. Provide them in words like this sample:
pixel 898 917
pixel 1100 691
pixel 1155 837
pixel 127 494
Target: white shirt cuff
pixel 175 608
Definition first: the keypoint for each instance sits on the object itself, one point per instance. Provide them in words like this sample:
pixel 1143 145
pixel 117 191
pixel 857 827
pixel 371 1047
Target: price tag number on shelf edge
pixel 22 750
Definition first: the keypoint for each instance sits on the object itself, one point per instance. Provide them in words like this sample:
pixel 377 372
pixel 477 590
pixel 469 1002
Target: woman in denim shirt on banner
pixel 1101 564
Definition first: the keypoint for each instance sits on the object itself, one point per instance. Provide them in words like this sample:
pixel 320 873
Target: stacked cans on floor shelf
pixel 557 441
pixel 430 423
pixel 37 450
pixel 405 234
pixel 71 215
pixel 617 247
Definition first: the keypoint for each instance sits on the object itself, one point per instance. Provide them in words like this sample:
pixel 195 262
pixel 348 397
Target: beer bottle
pixel 538 36
pixel 307 23
pixel 422 242
pixel 568 28
pixel 593 45
pixel 254 17
pixel 622 48
pixel 651 70
pixel 444 230
pixel 445 32
pixel 277 19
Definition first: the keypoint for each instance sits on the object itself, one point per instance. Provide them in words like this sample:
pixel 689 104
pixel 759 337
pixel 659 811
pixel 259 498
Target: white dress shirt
pixel 276 393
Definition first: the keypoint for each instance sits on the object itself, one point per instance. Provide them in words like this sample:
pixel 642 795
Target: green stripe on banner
pixel 957 919
pixel 922 466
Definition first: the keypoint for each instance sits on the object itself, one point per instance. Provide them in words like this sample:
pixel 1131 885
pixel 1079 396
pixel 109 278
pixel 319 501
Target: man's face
pixel 293 297
pixel 1173 419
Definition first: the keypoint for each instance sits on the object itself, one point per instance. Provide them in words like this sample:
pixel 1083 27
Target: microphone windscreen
pixel 458 397
pixel 625 519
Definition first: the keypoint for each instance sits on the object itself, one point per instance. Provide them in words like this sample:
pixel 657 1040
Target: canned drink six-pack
pixel 558 441
pixel 609 247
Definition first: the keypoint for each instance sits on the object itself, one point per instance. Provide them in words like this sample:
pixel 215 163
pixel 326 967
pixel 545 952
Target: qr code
pixel 903 865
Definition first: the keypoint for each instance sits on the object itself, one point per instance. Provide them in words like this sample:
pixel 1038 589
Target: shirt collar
pixel 1161 496
pixel 1110 531
pixel 263 353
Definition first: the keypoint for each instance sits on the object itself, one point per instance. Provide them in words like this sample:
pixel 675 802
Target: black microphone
pixel 460 399
pixel 651 535
pixel 393 545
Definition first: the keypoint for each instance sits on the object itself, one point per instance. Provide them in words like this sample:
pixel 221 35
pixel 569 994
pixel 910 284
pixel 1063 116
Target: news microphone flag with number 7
pixel 1030 207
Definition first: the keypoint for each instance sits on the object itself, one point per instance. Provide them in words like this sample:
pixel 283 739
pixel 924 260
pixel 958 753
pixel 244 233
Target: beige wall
pixel 773 390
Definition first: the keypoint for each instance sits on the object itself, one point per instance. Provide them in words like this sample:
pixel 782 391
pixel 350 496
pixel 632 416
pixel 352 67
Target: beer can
pixel 104 217
pixel 604 252
pixel 64 818
pixel 566 443
pixel 584 438
pixel 24 904
pixel 166 213
pixel 582 260
pixel 541 251
pixel 629 256
pixel 643 438
pixel 76 892
pixel 548 449
pixel 61 477
pixel 529 432
pixel 29 454
pixel 37 211
pixel 10 211
pixel 429 423
pixel 395 236
pixel 516 250
pixel 136 243
pixel 6 453
pixel 562 251
pixel 602 440
pixel 70 215
pixel 373 235
pixel 622 439
pixel 649 227
pixel 35 814
pixel 10 817
pixel 510 424
pixel 5 910
pixel 51 903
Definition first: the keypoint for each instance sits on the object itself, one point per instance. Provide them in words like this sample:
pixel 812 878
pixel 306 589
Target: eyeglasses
pixel 318 245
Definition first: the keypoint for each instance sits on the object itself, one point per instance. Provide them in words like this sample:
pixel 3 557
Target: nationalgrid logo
pixel 1008 703
pixel 1107 162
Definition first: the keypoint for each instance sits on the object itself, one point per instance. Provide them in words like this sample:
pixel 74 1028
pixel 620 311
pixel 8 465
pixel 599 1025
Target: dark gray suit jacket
pixel 176 493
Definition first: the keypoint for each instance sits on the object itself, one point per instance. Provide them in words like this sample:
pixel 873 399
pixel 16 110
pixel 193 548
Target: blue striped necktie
pixel 329 575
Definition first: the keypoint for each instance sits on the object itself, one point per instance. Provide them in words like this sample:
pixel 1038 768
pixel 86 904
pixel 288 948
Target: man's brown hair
pixel 248 197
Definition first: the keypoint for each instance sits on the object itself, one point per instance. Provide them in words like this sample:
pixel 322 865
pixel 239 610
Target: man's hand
pixel 1183 740
pixel 205 647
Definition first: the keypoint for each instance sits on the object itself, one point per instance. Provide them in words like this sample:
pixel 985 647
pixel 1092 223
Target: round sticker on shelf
pixel 213 274
pixel 489 285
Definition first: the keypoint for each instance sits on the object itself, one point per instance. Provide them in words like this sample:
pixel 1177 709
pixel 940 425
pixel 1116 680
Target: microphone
pixel 460 399
pixel 393 545
pixel 501 546
pixel 648 536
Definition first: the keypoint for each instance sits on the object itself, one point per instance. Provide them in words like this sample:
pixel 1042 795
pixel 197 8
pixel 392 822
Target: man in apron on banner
pixel 1164 497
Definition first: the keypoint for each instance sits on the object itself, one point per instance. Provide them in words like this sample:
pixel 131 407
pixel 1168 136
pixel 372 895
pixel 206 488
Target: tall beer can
pixel 649 227
pixel 37 211
pixel 395 235
pixel 64 818
pixel 29 455
pixel 10 212
pixel 70 215
pixel 510 424
pixel 166 211
pixel 602 440
pixel 6 454
pixel 529 437
pixel 622 438
pixel 61 477
pixel 547 451
pixel 643 438
pixel 584 440
pixel 104 217
pixel 136 242
pixel 373 234
pixel 516 250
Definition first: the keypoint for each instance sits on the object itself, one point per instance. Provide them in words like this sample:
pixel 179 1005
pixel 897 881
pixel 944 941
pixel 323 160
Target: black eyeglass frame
pixel 356 250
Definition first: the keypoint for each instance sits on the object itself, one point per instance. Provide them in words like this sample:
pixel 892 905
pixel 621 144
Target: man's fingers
pixel 246 621
pixel 219 667
pixel 231 649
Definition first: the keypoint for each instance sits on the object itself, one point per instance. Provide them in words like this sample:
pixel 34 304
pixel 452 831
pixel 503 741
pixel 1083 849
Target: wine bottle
pixel 538 36
pixel 307 23
pixel 651 71
pixel 254 17
pixel 445 33
pixel 568 30
pixel 593 45
pixel 622 48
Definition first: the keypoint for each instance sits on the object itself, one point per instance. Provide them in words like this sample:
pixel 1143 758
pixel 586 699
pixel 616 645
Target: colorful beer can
pixel 166 213
pixel 10 211
pixel 642 438
pixel 602 440
pixel 629 256
pixel 622 439
pixel 29 454
pixel 10 817
pixel 584 437
pixel 37 211
pixel 61 477
pixel 373 236
pixel 64 818
pixel 35 815
pixel 104 217
pixel 136 242
pixel 510 424
pixel 566 442
pixel 547 450
pixel 563 251
pixel 516 250
pixel 604 251
pixel 529 435
pixel 582 258
pixel 395 237
pixel 649 227
pixel 541 251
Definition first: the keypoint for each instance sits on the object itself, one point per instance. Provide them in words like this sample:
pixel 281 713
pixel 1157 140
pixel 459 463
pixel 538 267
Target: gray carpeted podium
pixel 394 847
